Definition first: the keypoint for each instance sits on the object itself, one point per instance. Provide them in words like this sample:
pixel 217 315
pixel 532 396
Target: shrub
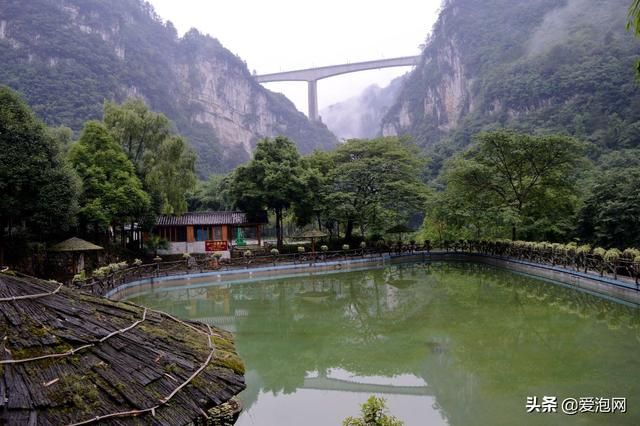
pixel 374 413
pixel 137 262
pixel 584 249
pixel 217 255
pixel 599 252
pixel 300 249
pixel 363 245
pixel 275 251
pixel 345 247
pixel 248 253
pixel 186 256
pixel 324 247
pixel 612 255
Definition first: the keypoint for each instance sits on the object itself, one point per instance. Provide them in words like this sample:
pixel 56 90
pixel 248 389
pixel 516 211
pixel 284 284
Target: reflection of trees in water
pixel 474 333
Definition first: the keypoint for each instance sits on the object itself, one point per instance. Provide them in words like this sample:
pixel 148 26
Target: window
pixel 217 233
pixel 203 233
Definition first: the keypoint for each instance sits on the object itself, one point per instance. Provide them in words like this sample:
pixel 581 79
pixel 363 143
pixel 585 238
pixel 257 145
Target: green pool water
pixel 445 344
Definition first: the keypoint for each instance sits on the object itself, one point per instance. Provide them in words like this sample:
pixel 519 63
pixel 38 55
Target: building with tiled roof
pixel 201 232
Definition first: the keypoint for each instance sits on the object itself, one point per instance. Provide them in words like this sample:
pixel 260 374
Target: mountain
pixel 534 65
pixel 67 56
pixel 360 117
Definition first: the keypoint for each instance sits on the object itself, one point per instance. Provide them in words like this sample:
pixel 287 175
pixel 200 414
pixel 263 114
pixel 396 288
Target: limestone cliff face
pixel 67 56
pixel 563 66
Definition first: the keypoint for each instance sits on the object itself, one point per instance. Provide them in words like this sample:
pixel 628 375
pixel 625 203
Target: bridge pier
pixel 313 99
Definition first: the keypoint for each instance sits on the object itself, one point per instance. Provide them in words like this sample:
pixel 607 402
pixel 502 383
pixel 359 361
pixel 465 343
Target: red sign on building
pixel 214 245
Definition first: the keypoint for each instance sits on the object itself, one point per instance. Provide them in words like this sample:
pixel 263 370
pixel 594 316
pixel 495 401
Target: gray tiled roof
pixel 211 218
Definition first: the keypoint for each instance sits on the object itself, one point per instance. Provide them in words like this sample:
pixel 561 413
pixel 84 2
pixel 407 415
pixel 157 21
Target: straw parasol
pixel 313 234
pixel 68 358
pixel 400 229
pixel 76 247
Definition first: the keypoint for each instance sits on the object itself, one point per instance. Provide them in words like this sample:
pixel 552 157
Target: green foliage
pixel 111 191
pixel 376 183
pixel 155 243
pixel 611 212
pixel 273 180
pixel 523 181
pixel 374 413
pixel 211 195
pixel 171 173
pixel 163 161
pixel 38 187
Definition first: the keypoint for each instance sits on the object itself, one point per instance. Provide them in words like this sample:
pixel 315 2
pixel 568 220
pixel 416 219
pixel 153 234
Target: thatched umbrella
pixel 399 229
pixel 313 234
pixel 76 247
pixel 69 358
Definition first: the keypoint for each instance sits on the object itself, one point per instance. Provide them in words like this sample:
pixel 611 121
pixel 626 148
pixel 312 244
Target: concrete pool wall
pixel 605 286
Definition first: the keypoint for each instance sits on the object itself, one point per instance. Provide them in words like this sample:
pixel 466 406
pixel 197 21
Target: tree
pixel 111 191
pixel 163 161
pixel 39 190
pixel 137 129
pixel 273 179
pixel 212 194
pixel 610 216
pixel 376 183
pixel 523 180
pixel 374 413
pixel 171 173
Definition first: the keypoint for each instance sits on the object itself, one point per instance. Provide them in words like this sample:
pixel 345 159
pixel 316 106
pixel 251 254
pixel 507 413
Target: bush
pixel 275 252
pixel 137 262
pixel 324 248
pixel 345 247
pixel 374 413
pixel 247 253
pixel 301 249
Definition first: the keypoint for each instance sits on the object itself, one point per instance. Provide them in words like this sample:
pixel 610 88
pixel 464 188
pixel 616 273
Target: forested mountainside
pixel 540 66
pixel 360 116
pixel 67 56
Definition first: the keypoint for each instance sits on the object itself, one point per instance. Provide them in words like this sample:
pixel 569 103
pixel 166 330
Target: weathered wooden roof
pixel 70 358
pixel 313 233
pixel 211 218
pixel 75 244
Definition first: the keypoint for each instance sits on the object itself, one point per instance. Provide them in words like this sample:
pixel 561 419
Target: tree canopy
pixel 163 161
pixel 111 191
pixel 274 179
pixel 520 180
pixel 38 187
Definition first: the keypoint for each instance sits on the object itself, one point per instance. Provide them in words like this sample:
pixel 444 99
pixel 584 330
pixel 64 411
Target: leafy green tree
pixel 610 215
pixel 374 413
pixel 376 183
pixel 111 191
pixel 137 129
pixel 212 194
pixel 163 161
pixel 39 189
pixel 314 204
pixel 274 179
pixel 523 180
pixel 171 174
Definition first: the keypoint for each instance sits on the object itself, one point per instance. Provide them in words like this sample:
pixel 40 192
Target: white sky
pixel 283 35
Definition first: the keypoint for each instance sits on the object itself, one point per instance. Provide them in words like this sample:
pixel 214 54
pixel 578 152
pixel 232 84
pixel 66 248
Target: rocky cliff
pixel 535 65
pixel 360 117
pixel 68 56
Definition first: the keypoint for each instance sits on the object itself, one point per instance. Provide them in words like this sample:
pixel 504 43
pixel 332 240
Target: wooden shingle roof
pixel 68 358
pixel 75 244
pixel 211 218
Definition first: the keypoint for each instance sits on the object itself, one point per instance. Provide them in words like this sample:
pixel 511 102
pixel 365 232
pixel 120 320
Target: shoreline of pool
pixel 604 286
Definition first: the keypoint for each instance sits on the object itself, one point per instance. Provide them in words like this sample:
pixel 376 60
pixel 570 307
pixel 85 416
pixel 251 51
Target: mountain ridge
pixel 67 56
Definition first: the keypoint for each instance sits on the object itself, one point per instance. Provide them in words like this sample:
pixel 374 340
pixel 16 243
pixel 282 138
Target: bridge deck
pixel 313 74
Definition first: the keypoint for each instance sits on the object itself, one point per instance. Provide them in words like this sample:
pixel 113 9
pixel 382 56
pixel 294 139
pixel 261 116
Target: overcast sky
pixel 283 35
